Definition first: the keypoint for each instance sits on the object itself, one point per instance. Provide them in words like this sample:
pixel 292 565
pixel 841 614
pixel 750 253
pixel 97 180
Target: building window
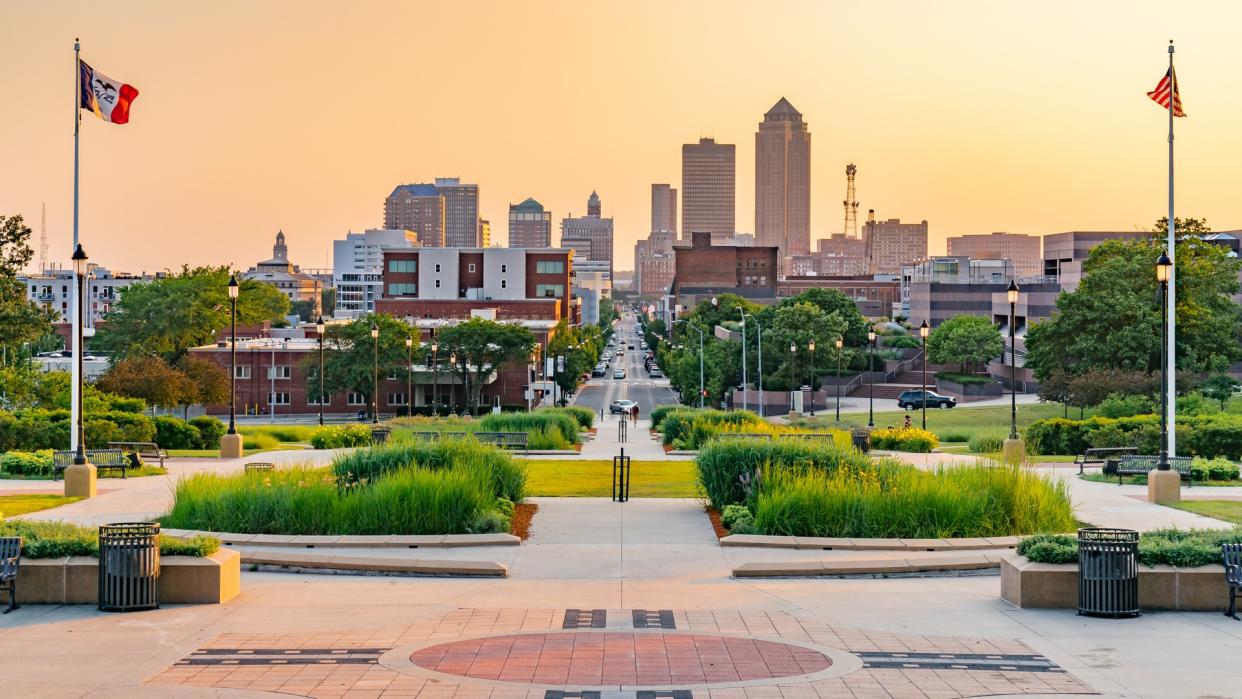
pixel 504 268
pixel 402 289
pixel 404 266
pixel 355 399
pixel 243 372
pixel 545 290
pixel 278 398
pixel 314 399
pixel 278 372
pixel 504 284
pixel 471 267
pixel 437 268
pixel 550 266
pixel 396 399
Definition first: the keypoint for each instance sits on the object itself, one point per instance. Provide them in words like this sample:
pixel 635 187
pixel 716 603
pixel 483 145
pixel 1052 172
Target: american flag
pixel 1167 87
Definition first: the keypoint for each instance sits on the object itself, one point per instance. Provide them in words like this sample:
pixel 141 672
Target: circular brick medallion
pixel 620 658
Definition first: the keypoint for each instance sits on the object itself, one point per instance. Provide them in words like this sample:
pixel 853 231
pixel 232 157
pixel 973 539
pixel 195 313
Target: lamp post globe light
pixel 231 442
pixel 924 330
pixel 793 374
pixel 1164 484
pixel 1013 450
pixel 409 375
pixel 839 344
pixel 375 374
pixel 871 379
pixel 811 346
pixel 320 329
pixel 80 477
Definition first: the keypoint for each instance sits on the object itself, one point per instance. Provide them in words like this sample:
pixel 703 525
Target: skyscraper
pixel 530 225
pixel 708 189
pixel 783 181
pixel 418 208
pixel 663 208
pixel 590 237
pixel 461 213
pixel 891 244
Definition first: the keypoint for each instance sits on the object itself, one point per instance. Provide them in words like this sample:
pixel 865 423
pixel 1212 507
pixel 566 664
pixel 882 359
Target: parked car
pixel 618 374
pixel 600 371
pixel 914 399
pixel 656 373
pixel 642 345
pixel 621 406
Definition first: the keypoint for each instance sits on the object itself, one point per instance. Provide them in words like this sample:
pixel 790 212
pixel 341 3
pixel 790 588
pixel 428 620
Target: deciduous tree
pixel 966 340
pixel 482 347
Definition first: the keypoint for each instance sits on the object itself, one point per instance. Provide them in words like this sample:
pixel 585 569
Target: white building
pixel 54 289
pixel 358 267
pixel 591 286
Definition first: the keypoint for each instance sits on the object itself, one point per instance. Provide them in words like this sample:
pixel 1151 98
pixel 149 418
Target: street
pixel 636 386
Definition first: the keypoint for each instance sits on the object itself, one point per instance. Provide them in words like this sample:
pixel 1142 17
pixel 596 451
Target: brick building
pixel 703 270
pixel 1020 249
pixel 891 244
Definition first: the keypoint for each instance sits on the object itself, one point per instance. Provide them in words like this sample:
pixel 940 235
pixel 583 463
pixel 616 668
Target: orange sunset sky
pixel 302 116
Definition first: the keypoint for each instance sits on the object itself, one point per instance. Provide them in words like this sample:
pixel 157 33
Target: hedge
pixel 1208 436
pixel 35 429
pixel 60 539
pixel 1181 548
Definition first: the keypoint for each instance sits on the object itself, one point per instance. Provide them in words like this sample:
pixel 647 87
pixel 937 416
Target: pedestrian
pixel 908 424
pixel 634 413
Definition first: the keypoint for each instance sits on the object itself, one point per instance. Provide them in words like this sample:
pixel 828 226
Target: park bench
pixel 741 435
pixel 10 559
pixel 259 466
pixel 425 436
pixel 1231 555
pixel 101 459
pixel 1135 465
pixel 145 450
pixel 1100 456
pixel 507 440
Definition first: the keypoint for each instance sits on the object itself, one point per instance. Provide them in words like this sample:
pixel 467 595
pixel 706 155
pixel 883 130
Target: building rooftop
pixel 530 205
pixel 416 190
pixel 782 109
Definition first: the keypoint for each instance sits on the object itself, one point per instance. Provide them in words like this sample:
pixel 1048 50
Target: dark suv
pixel 914 399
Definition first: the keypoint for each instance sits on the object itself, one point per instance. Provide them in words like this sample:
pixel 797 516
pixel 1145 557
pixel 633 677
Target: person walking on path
pixel 634 414
pixel 908 424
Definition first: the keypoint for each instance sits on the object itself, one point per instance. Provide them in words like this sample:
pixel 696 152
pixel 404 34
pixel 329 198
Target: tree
pixel 15 252
pixel 833 301
pixel 21 320
pixel 304 310
pixel 1055 388
pixel 205 383
pixel 482 347
pixel 1185 226
pixel 350 357
pixel 607 313
pixel 581 349
pixel 966 340
pixel 797 325
pixel 1112 320
pixel 1220 387
pixel 170 315
pixel 149 378
pixel 328 299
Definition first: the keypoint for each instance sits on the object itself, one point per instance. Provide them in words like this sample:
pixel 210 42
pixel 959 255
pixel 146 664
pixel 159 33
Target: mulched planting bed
pixel 523 513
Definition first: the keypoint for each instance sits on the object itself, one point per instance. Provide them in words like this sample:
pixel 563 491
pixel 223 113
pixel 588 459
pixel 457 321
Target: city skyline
pixel 959 121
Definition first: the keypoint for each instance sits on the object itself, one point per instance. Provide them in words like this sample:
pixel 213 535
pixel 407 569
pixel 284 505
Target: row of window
pixel 351 399
pixel 273 372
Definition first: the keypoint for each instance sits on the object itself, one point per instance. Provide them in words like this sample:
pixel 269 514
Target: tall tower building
pixel 783 181
pixel 461 213
pixel 663 208
pixel 590 237
pixel 530 225
pixel 708 189
pixel 593 205
pixel 418 208
pixel 280 251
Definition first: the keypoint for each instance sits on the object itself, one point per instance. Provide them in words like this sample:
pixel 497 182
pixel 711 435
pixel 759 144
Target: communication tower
pixel 851 205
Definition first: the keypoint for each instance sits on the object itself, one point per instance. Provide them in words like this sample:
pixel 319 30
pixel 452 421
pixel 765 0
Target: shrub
pixel 1050 548
pixel 546 438
pixel 1125 405
pixel 910 439
pixel 1196 404
pixel 259 440
pixel 59 539
pixel 731 513
pixel 964 379
pixel 955 435
pixel 210 430
pixel 731 471
pixel 987 442
pixel 658 413
pixel 1175 547
pixel 341 437
pixel 506 475
pixel 24 463
pixel 175 433
pixel 584 416
pixel 529 422
pixel 678 424
pixel 1217 469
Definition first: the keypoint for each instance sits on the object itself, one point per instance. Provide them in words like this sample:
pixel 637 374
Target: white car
pixel 618 374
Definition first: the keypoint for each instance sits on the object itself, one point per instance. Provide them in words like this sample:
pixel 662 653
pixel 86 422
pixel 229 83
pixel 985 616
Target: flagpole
pixel 1171 374
pixel 75 391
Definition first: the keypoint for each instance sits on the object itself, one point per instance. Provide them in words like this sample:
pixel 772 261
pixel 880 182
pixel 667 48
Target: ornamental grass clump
pixel 59 539
pixel 725 466
pixel 505 475
pixel 341 436
pixel 530 422
pixel 584 416
pixel 687 428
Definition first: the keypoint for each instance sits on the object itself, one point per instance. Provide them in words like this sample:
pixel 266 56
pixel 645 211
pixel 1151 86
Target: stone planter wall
pixel 1048 586
pixel 183 579
pixel 974 389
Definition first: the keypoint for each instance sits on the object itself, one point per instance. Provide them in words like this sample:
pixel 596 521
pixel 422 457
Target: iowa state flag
pixel 107 98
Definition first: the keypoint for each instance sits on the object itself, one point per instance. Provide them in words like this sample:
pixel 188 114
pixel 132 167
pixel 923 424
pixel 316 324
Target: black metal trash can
pixel 1108 572
pixel 379 435
pixel 129 566
pixel 862 440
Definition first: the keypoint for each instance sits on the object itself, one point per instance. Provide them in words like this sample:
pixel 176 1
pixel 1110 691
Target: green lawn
pixel 593 478
pixel 1227 510
pixel 962 420
pixel 12 505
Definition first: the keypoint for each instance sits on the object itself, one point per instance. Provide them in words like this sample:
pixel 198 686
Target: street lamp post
pixel 80 478
pixel 924 329
pixel 839 343
pixel 231 442
pixel 320 327
pixel 1163 484
pixel 435 377
pixel 700 332
pixel 375 374
pixel 759 341
pixel 409 375
pixel 1013 451
pixel 793 373
pixel 811 346
pixel 871 372
pixel 453 383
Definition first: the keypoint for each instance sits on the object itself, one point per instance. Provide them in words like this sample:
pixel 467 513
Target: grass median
pixel 582 478
pixel 13 505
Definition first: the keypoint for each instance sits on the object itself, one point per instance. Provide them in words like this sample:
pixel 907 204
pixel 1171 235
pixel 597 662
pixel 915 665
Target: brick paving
pixel 704 655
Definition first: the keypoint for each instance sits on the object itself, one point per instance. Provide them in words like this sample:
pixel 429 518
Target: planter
pixel 991 388
pixel 210 579
pixel 1050 586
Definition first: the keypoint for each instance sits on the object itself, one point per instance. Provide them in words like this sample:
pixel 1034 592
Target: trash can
pixel 379 435
pixel 1108 572
pixel 862 440
pixel 129 566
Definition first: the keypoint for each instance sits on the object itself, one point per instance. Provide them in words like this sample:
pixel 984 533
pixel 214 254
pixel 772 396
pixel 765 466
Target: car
pixel 600 371
pixel 915 399
pixel 618 374
pixel 630 346
pixel 656 373
pixel 642 345
pixel 621 406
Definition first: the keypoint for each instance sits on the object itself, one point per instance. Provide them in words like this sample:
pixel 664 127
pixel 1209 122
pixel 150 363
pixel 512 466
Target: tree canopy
pixel 21 320
pixel 964 339
pixel 481 347
pixel 168 316
pixel 1112 320
pixel 351 356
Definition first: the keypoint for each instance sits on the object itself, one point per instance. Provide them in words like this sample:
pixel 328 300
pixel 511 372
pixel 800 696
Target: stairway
pixel 909 380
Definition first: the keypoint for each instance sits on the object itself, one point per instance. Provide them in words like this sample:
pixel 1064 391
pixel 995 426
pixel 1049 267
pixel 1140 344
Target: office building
pixel 783 181
pixel 288 278
pixel 485 233
pixel 530 225
pixel 590 237
pixel 589 288
pixel 663 208
pixel 418 208
pixel 461 213
pixel 703 270
pixel 891 244
pixel 874 296
pixel 1064 253
pixel 358 267
pixel 708 189
pixel 653 263
pixel 939 288
pixel 1023 250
